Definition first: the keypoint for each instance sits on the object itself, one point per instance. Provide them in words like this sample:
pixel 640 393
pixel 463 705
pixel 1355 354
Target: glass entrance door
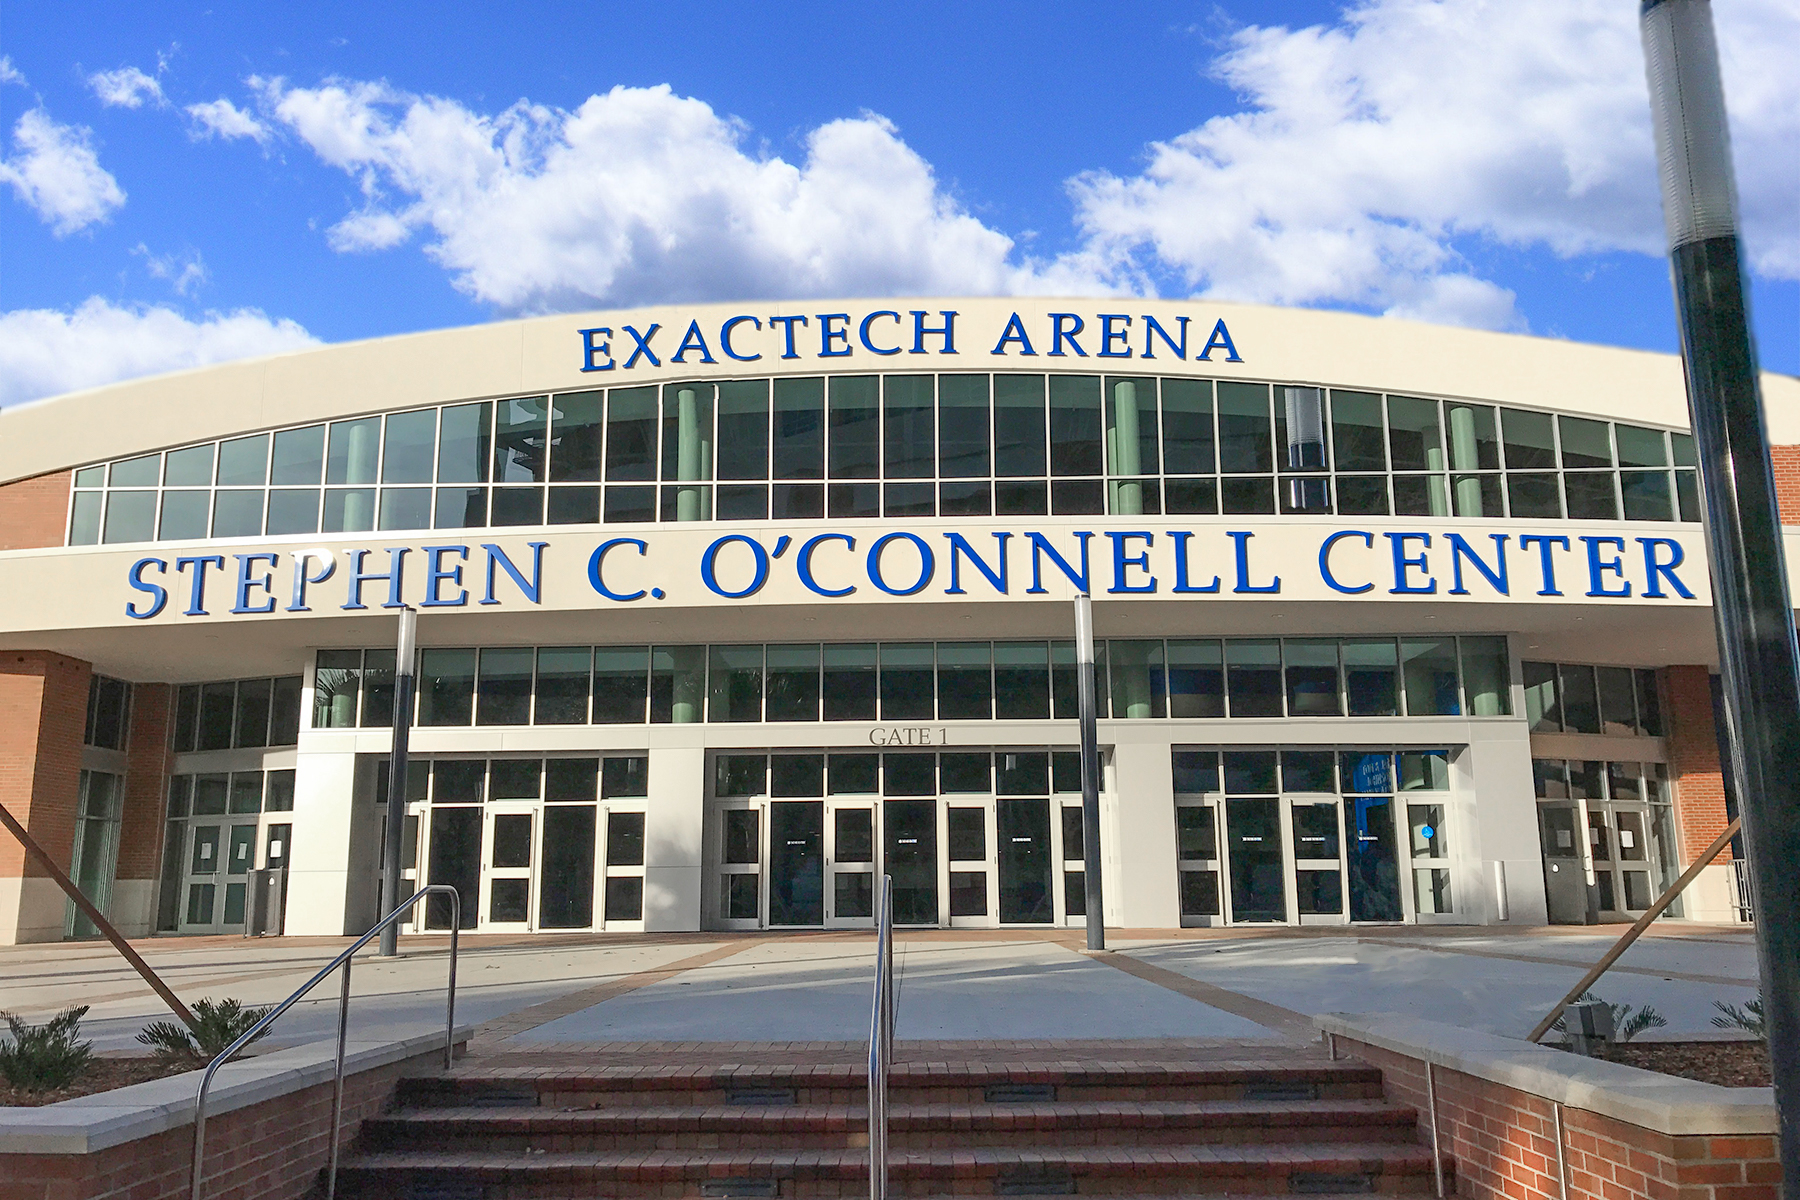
pixel 912 859
pixel 1315 823
pixel 1025 861
pixel 509 862
pixel 796 862
pixel 1253 850
pixel 850 864
pixel 1374 858
pixel 220 856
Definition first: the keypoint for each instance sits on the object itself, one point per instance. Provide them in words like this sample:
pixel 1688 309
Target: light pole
pixel 1752 606
pixel 396 797
pixel 1090 771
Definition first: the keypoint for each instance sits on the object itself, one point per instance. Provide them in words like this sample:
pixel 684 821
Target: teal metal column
pixel 1122 447
pixel 365 444
pixel 693 455
pixel 1464 456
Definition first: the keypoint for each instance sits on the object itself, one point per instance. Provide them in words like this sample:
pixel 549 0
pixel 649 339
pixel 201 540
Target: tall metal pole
pixel 1090 771
pixel 1752 607
pixel 396 799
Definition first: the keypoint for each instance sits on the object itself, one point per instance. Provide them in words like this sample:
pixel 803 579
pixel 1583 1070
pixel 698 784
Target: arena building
pixel 726 610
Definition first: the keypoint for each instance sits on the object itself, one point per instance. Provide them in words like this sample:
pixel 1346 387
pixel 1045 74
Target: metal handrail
pixel 881 1037
pixel 402 909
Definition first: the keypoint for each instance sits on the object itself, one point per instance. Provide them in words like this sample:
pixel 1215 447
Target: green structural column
pixel 693 454
pixel 1465 457
pixel 690 684
pixel 1122 439
pixel 359 506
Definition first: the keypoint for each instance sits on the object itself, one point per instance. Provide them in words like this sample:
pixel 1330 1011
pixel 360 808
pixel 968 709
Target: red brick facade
pixel 1693 745
pixel 272 1150
pixel 43 714
pixel 1787 482
pixel 148 763
pixel 1503 1142
pixel 33 511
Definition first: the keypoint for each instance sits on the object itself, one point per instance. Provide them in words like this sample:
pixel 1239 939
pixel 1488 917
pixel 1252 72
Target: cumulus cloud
pixel 57 174
pixel 127 87
pixel 1366 149
pixel 45 352
pixel 10 73
pixel 640 195
pixel 224 120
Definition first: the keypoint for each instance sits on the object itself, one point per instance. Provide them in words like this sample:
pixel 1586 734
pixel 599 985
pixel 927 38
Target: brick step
pixel 910 1126
pixel 961 1083
pixel 1109 1170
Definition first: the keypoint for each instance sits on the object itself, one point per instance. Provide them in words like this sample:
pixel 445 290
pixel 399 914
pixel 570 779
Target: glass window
pixel 504 692
pixel 906 681
pixel 677 684
pixel 1530 440
pixel 562 685
pixel 211 794
pixel 136 472
pixel 337 677
pixel 624 846
pixel 1253 672
pixel 244 462
pixel 1075 425
pixel 1249 772
pixel 1639 447
pixel 576 426
pixel 793 683
pixel 1021 680
pixel 849 685
pixel 130 516
pixel 797 775
pixel 350 455
pixel 799 430
pixel 409 447
pixel 1370 677
pixel 965 686
pixel 463 447
pixel 520 439
pixel 446 687
pixel 963 427
pixel 908 774
pixel 1196 771
pixel 854 774
pixel 1618 708
pixel 624 777
pixel 349 510
pixel 1424 770
pixel 630 434
pixel 743 442
pixel 1358 436
pixel 1429 668
pixel 1309 771
pixel 1584 443
pixel 855 427
pixel 687 437
pixel 1194 831
pixel 736 683
pixel 1543 708
pixel 1300 429
pixel 621 684
pixel 909 427
pixel 1022 773
pixel 192 467
pixel 1649 706
pixel 405 508
pixel 1131 434
pixel 1580 700
pixel 966 773
pixel 1245 431
pixel 1474 438
pixel 1590 496
pixel 1646 496
pixel 185 515
pixel 571 778
pixel 84 519
pixel 237 514
pixel 253 699
pixel 1486 677
pixel 1312 677
pixel 742 775
pixel 293 510
pixel 246 791
pixel 1138 690
pixel 1187 411
pixel 1196 679
pixel 1414 438
pixel 1019 446
pixel 378 689
pixel 284 712
pixel 218 709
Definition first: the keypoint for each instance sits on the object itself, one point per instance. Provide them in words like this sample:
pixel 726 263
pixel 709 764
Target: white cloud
pixel 127 87
pixel 640 195
pixel 182 272
pixel 10 73
pixel 58 175
pixel 222 119
pixel 45 352
pixel 1367 148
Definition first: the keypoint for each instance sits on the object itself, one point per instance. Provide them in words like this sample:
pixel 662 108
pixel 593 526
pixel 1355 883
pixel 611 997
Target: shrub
pixel 220 1023
pixel 1628 1021
pixel 1748 1018
pixel 40 1058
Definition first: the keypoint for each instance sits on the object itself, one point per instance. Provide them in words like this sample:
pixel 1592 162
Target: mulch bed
pixel 1728 1064
pixel 101 1075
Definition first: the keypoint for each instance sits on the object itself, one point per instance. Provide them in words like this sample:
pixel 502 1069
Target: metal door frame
pixel 489 873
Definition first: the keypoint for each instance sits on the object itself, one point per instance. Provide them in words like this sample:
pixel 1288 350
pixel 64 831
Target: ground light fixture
pixel 1752 605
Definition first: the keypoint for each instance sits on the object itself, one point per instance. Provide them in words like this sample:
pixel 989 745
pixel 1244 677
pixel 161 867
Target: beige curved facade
pixel 1512 518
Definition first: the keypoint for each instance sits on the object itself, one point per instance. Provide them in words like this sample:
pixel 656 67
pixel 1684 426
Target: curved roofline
pixel 541 354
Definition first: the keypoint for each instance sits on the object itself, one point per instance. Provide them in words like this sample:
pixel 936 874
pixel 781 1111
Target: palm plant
pixel 43 1057
pixel 1748 1018
pixel 1628 1020
pixel 218 1023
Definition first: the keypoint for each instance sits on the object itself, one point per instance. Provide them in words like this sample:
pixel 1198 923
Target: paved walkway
pixel 974 985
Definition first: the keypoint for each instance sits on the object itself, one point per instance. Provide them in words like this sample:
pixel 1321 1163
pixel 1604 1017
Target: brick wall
pixel 269 1150
pixel 33 511
pixel 43 713
pixel 1693 745
pixel 1787 482
pixel 148 762
pixel 1503 1143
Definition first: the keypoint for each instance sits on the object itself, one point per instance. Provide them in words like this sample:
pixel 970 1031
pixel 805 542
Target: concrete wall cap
pixel 1677 1107
pixel 90 1123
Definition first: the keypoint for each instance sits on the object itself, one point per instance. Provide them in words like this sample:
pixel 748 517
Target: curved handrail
pixel 881 1037
pixel 402 909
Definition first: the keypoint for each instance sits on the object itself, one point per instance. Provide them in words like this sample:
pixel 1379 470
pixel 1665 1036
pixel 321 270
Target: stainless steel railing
pixel 881 1037
pixel 337 1097
pixel 1742 902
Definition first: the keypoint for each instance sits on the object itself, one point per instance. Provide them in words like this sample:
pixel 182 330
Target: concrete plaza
pixel 979 985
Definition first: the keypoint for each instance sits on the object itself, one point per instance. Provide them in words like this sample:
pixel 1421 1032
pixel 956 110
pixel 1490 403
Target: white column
pixel 673 821
pixel 319 869
pixel 1142 890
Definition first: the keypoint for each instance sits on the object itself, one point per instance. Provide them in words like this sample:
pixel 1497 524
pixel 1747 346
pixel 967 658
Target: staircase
pixel 996 1121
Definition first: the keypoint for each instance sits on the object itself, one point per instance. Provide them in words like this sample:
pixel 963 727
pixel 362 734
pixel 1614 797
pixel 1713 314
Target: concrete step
pixel 1213 1170
pixel 910 1126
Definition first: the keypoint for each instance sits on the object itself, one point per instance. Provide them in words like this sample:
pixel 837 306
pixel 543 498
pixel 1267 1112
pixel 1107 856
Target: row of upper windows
pixel 920 681
pixel 894 445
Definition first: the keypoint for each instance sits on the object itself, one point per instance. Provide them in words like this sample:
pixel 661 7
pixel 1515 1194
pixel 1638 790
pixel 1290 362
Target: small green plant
pixel 1628 1021
pixel 1748 1018
pixel 220 1023
pixel 40 1058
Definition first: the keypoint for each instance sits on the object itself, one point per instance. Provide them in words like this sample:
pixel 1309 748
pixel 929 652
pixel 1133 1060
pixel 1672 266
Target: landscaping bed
pixel 100 1075
pixel 1727 1064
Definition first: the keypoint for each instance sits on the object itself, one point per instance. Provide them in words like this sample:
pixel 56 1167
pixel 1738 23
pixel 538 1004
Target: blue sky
pixel 189 182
